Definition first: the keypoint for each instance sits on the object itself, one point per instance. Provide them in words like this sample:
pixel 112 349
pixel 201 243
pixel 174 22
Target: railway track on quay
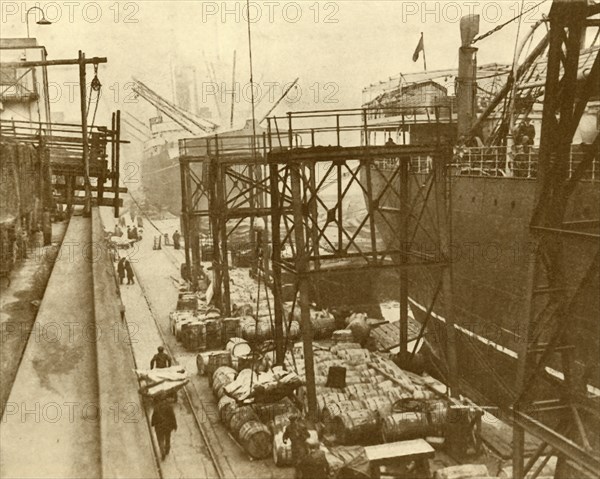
pixel 157 272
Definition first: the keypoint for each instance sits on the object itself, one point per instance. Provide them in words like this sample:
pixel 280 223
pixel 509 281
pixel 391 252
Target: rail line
pixel 201 428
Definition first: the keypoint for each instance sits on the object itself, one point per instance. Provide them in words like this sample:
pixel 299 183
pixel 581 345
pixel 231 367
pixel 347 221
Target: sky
pixel 335 48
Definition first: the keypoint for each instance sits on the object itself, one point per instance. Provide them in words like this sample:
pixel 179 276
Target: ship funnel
pixel 466 88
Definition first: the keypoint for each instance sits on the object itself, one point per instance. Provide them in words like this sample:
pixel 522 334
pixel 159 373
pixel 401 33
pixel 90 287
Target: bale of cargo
pixel 336 349
pixel 342 336
pixel 230 328
pixel 267 412
pixel 335 397
pixel 293 332
pixel 357 323
pixel 241 416
pixel 361 391
pixel 256 439
pixel 463 471
pixel 397 395
pixel 404 426
pixel 226 405
pixel 216 360
pixel 333 409
pixel 355 356
pixel 379 404
pixel 357 427
pixel 221 378
pixel 323 324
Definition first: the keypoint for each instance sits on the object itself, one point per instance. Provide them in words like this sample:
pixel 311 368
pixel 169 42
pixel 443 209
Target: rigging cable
pixel 500 27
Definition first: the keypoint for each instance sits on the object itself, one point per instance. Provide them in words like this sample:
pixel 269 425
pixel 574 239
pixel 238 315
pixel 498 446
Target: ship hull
pixel 161 181
pixel 490 254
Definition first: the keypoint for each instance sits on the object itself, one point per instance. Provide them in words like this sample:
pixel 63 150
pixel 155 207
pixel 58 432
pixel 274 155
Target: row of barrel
pixel 257 427
pixel 200 331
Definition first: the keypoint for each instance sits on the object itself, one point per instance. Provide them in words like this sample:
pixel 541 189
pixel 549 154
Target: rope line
pixel 500 27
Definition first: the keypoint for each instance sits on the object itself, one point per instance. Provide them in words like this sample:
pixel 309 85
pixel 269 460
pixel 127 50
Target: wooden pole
pixel 84 133
pixel 276 265
pixel 424 57
pixel 117 170
pixel 301 270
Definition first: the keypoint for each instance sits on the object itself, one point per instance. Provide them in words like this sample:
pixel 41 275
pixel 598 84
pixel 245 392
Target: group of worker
pixel 123 268
pixel 308 458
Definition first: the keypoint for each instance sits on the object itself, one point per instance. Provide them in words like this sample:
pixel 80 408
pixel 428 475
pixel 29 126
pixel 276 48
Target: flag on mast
pixel 420 48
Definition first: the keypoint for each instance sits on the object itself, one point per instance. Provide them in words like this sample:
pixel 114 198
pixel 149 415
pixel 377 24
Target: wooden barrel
pixel 279 423
pixel 437 415
pixel 216 360
pixel 256 439
pixel 404 426
pixel 230 328
pixel 241 416
pixel 202 362
pixel 221 378
pixel 229 411
pixel 357 427
pixel 268 412
pixel 213 334
pixel 282 453
pixel 193 336
pixel 238 347
pixel 225 405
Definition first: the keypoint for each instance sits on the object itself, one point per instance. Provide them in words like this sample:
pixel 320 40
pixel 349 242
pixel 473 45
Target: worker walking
pixel 314 465
pixel 121 270
pixel 161 359
pixel 176 240
pixel 164 423
pixel 129 271
pixel 297 432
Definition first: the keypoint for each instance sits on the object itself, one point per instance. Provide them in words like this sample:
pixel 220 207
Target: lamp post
pixel 41 21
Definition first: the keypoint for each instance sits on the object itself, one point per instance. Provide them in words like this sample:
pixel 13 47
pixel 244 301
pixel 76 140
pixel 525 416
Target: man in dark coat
pixel 176 240
pixel 121 270
pixel 164 423
pixel 129 271
pixel 161 359
pixel 314 464
pixel 298 433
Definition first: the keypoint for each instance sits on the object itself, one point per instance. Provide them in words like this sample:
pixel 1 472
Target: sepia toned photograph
pixel 251 239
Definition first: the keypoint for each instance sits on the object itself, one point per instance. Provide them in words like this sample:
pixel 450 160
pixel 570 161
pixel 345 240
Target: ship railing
pixel 498 161
pixel 359 127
